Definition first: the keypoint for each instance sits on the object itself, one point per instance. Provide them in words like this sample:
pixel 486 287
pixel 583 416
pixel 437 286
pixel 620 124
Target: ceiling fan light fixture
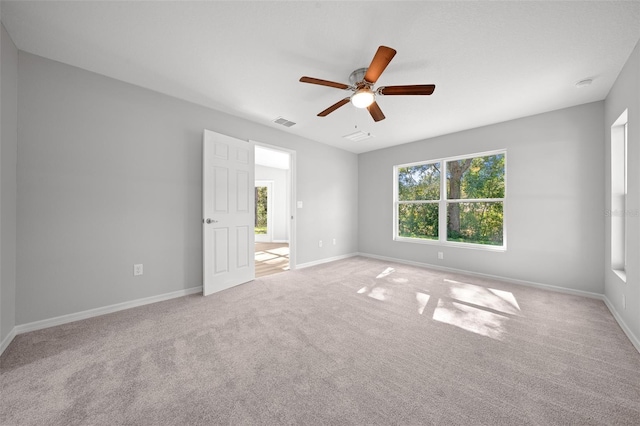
pixel 362 84
pixel 363 98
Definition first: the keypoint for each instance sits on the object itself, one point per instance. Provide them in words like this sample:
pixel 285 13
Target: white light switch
pixel 299 204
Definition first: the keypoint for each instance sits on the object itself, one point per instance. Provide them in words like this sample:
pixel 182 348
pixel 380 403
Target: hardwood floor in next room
pixel 271 258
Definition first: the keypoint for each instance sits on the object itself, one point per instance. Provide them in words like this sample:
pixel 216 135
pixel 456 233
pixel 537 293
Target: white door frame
pixel 291 210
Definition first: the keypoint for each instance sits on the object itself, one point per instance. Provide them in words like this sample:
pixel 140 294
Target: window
pixel 619 212
pixel 465 208
pixel 261 206
pixel 419 197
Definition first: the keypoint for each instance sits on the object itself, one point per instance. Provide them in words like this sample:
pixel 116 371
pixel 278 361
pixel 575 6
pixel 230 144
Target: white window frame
pixel 443 201
pixel 618 214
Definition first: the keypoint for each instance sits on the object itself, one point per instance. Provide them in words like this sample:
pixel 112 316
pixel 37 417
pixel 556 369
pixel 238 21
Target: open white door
pixel 228 212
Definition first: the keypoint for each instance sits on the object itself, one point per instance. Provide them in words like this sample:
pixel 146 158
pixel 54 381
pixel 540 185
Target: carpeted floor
pixel 358 341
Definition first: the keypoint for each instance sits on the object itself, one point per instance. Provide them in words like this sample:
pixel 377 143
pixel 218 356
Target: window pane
pixel 418 221
pixel 419 182
pixel 478 223
pixel 479 177
pixel 260 225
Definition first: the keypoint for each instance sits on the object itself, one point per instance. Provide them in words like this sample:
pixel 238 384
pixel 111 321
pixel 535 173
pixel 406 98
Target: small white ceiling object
pixel 357 136
pixel 584 83
pixel 490 61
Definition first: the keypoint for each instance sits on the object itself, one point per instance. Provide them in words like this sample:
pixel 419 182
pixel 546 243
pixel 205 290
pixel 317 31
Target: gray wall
pixel 8 159
pixel 624 94
pixel 109 175
pixel 554 211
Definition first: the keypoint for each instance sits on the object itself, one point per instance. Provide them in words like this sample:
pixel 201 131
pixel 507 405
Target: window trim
pixel 618 213
pixel 443 201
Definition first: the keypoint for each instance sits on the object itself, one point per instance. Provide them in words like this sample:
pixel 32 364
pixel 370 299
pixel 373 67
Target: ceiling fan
pixel 362 81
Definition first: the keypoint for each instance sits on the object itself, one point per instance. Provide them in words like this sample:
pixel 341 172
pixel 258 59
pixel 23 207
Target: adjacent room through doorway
pixel 272 210
pixel 271 258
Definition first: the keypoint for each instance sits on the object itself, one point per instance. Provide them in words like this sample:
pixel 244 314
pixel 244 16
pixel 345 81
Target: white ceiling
pixel 490 61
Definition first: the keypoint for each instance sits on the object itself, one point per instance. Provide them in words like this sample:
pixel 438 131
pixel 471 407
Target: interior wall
pixel 110 175
pixel 625 94
pixel 554 207
pixel 280 215
pixel 8 188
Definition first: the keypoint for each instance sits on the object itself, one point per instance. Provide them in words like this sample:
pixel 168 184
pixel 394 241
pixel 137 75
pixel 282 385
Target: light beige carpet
pixel 358 341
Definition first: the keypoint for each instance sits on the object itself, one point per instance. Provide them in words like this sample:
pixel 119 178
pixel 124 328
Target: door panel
pixel 243 249
pixel 221 250
pixel 243 194
pixel 228 239
pixel 220 194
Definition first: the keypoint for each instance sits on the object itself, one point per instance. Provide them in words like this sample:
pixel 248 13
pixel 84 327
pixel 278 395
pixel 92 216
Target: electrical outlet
pixel 440 255
pixel 320 243
pixel 624 302
pixel 137 269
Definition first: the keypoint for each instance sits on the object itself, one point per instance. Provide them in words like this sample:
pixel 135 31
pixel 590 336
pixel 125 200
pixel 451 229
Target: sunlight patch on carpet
pixel 379 293
pixel 471 319
pixel 386 272
pixel 507 296
pixel 497 300
pixel 422 299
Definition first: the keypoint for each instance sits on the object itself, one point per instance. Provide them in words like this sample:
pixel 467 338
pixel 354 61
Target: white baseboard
pixel 326 260
pixel 7 340
pixel 64 319
pixel 634 339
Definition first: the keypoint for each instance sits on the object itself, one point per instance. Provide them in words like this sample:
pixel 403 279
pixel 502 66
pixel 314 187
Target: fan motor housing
pixel 357 76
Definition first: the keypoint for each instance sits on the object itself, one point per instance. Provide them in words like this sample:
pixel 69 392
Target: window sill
pixel 452 244
pixel 621 273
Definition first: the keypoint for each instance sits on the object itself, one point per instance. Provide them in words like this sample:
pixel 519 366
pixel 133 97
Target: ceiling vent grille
pixel 358 136
pixel 284 122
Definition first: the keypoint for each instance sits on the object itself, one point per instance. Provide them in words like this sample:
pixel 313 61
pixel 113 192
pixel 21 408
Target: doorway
pixel 274 220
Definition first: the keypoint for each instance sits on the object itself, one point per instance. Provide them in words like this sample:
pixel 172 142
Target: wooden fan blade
pixel 334 107
pixel 383 56
pixel 416 89
pixel 312 80
pixel 375 111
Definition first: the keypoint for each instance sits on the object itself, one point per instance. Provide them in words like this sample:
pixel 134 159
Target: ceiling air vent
pixel 284 122
pixel 358 136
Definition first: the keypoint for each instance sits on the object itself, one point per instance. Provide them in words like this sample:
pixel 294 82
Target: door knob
pixel 211 221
